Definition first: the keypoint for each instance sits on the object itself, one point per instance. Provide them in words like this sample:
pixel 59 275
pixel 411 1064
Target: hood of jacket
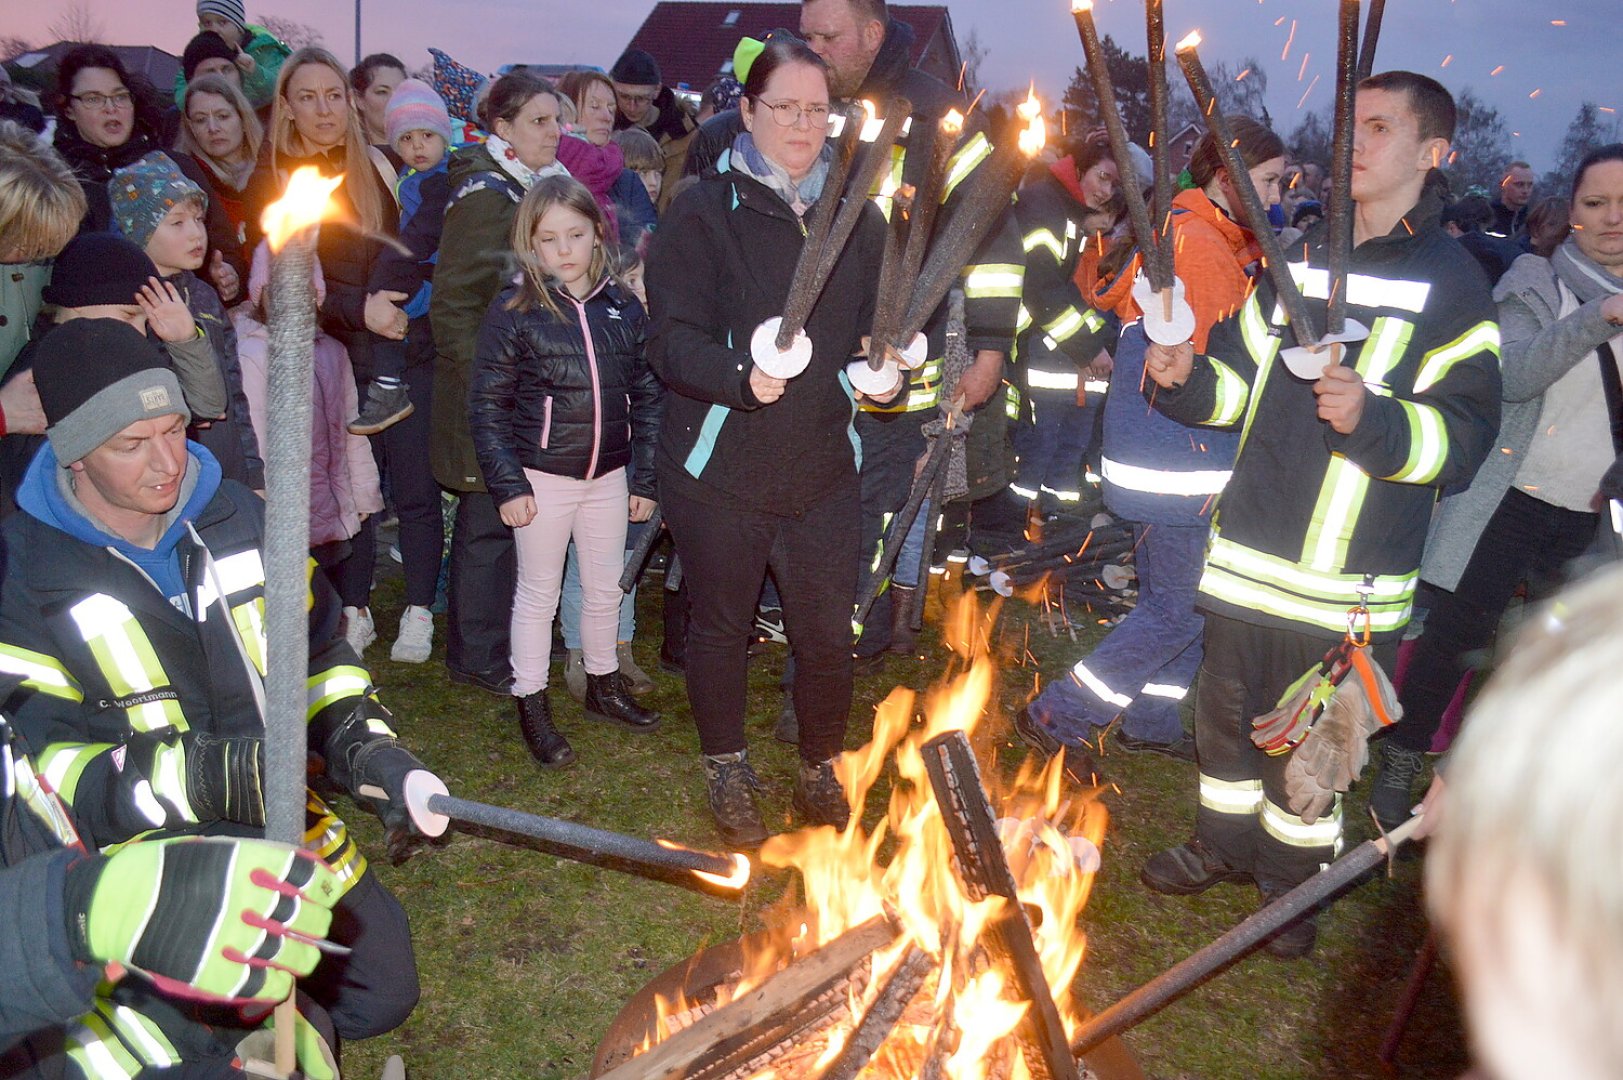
pixel 891 63
pixel 42 496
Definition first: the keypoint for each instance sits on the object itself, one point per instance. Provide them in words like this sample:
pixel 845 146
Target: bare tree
pixel 1482 145
pixel 12 47
pixel 975 53
pixel 1586 132
pixel 295 35
pixel 1310 142
pixel 76 24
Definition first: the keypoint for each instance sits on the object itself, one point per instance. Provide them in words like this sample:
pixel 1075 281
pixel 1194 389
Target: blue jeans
pixel 569 603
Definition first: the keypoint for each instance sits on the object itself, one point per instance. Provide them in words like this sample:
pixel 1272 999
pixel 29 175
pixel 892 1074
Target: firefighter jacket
pixel 123 650
pixel 1310 515
pixel 1059 332
pixel 1154 468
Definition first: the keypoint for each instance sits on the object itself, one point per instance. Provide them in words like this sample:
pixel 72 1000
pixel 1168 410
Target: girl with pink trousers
pixel 561 402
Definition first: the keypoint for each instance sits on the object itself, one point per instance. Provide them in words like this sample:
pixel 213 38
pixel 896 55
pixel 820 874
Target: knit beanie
pixel 95 378
pixel 205 46
pixel 145 192
pixel 98 268
pixel 415 107
pixel 636 68
pixel 227 9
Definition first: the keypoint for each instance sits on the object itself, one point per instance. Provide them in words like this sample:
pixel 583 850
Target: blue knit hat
pixel 145 192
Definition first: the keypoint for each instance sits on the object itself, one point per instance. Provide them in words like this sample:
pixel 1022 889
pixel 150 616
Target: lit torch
pixel 290 228
pixel 1338 215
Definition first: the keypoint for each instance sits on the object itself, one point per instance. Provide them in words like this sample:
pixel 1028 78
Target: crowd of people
pixel 535 310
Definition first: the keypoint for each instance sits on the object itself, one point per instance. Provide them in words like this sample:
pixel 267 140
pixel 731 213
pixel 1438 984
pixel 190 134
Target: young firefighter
pixel 142 638
pixel 1334 484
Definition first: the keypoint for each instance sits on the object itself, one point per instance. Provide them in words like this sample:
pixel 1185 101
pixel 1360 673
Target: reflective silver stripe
pixel 1063 496
pixel 1096 386
pixel 1065 326
pixel 1287 828
pixel 1230 796
pixel 146 1035
pixel 236 573
pixel 1024 493
pixel 1051 380
pixel 1341 497
pixel 40 671
pixel 1165 481
pixel 1428 444
pixel 1363 290
pixel 1099 688
pixel 994 280
pixel 1387 341
pixel 1435 365
pixel 1165 690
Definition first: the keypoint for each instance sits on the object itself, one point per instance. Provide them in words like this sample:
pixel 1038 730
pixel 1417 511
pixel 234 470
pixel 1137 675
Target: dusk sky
pixel 1026 39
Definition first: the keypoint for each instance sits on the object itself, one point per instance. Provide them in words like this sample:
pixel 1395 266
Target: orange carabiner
pixel 1359 636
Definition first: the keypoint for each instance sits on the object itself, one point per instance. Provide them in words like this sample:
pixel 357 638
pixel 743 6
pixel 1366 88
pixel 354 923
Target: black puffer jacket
pixel 720 265
pixel 547 396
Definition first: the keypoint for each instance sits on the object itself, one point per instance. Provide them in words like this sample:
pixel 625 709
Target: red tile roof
pixel 692 39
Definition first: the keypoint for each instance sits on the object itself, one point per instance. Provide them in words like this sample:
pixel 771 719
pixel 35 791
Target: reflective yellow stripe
pixel 1428 444
pixel 62 764
pixel 994 281
pixel 343 681
pixel 889 182
pixel 40 672
pixel 1363 290
pixel 1230 796
pixel 1038 379
pixel 964 162
pixel 1064 327
pixel 1267 583
pixel 127 660
pixel 1042 237
pixel 168 780
pixel 1341 497
pixel 1229 397
pixel 1287 828
pixel 1023 323
pixel 1011 402
pixel 1164 481
pixel 249 618
pixel 1435 365
pixel 141 1034
pixel 328 837
pixel 46 806
pixel 98 1053
pixel 1388 340
pixel 1255 332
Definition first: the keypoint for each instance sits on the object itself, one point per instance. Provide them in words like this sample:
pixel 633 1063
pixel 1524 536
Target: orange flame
pixel 737 878
pixel 306 202
pixel 1079 6
pixel 953 122
pixel 1036 130
pixel 1190 41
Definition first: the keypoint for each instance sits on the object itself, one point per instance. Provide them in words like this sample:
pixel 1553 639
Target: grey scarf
pixel 748 159
pixel 1586 278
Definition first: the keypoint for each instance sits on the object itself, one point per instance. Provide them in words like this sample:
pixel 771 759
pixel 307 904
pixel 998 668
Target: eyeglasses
pixel 121 100
pixel 635 99
pixel 788 113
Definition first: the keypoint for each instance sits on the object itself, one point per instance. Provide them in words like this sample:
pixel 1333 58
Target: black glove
pixel 379 768
pixel 225 777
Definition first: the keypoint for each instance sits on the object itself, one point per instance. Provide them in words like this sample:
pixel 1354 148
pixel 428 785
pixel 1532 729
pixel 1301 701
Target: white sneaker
pixel 416 638
pixel 358 629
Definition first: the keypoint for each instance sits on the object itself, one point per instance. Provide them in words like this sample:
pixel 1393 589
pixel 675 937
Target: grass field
pixel 525 958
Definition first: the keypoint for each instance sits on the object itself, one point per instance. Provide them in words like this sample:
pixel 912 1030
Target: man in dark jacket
pixel 1320 529
pixel 1515 196
pixel 641 99
pixel 142 639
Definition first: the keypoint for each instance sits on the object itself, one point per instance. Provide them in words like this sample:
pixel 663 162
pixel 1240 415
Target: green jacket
pixel 260 85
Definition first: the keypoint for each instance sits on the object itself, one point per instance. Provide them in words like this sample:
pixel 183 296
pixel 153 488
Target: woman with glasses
pixel 756 471
pixel 102 126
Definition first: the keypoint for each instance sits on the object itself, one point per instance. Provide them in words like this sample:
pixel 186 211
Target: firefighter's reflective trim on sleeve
pixel 1287 828
pixel 1164 481
pixel 1037 379
pixel 879 546
pixel 1063 496
pixel 1341 498
pixel 1065 326
pixel 1428 444
pixel 1230 796
pixel 40 672
pixel 328 837
pixel 1023 492
pixel 1165 690
pixel 168 782
pixel 1098 687
pixel 964 161
pixel 1229 398
pixel 1363 290
pixel 923 391
pixel 889 182
pixel 336 683
pixel 994 281
pixel 1388 340
pixel 128 662
pixel 1023 323
pixel 1044 238
pixel 1274 586
pixel 1435 365
pixel 46 805
pixel 98 1052
pixel 1011 401
pixel 249 617
pixel 235 573
pixel 1096 386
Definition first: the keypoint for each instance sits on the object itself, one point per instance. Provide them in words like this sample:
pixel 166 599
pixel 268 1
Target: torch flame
pixel 871 126
pixel 1036 132
pixel 953 122
pixel 1189 42
pixel 1080 6
pixel 739 877
pixel 306 202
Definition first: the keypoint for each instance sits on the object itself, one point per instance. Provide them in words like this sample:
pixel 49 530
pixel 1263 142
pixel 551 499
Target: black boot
pixel 1392 794
pixel 608 699
pixel 903 640
pixel 732 786
pixel 819 798
pixel 787 729
pixel 549 748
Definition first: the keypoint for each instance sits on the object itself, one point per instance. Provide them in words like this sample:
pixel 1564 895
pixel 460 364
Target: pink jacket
pixel 343 474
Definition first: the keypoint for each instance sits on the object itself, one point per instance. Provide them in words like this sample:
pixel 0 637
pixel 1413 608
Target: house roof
pixel 694 39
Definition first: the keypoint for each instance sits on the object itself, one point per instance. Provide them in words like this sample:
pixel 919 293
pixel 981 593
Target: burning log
pixel 906 979
pixel 683 1054
pixel 955 778
pixel 1189 973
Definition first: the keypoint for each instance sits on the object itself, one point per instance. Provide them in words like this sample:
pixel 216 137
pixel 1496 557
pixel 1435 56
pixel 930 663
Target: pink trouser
pixel 593 512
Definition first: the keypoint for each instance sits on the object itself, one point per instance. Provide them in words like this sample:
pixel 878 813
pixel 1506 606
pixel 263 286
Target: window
pixel 732 18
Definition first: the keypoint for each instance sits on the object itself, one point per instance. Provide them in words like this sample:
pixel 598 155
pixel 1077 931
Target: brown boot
pixel 902 638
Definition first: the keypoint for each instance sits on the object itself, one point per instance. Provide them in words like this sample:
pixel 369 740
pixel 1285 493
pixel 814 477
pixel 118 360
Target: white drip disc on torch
pixel 1001 583
pixel 420 786
pixel 1116 577
pixel 1309 364
pixel 978 566
pixel 1157 327
pixel 780 365
pixel 879 384
pixel 916 353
